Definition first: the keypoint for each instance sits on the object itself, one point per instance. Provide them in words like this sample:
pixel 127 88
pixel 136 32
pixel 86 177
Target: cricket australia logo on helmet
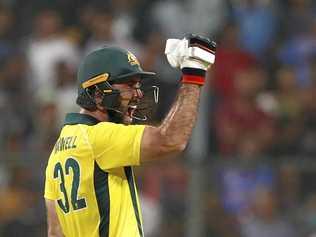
pixel 132 59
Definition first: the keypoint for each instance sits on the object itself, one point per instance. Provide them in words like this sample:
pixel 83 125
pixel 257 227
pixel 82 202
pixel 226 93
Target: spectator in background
pixel 230 59
pixel 307 216
pixel 241 116
pixel 16 120
pixel 125 21
pixel 112 24
pixel 177 17
pixel 152 216
pixel 258 24
pixel 218 221
pixel 288 112
pixel 7 39
pixel 152 52
pixel 170 17
pixel 238 179
pixel 211 14
pixel 297 18
pixel 164 191
pixel 291 184
pixel 174 187
pixel 308 137
pixel 46 48
pixel 18 213
pixel 101 26
pixel 66 90
pixel 267 221
pixel 47 125
pixel 298 52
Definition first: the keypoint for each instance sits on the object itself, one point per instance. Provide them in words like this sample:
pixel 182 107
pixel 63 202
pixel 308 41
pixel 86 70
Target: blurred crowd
pixel 262 103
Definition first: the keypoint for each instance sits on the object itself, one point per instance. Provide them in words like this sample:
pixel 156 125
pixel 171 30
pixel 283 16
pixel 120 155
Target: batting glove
pixel 193 55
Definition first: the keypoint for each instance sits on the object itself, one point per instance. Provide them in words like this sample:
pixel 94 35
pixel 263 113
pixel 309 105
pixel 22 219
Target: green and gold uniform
pixel 89 175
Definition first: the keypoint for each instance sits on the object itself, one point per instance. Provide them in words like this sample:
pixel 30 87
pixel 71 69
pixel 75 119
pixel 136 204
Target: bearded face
pixel 130 95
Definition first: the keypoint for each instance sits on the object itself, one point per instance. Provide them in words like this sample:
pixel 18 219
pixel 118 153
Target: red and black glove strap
pixel 193 76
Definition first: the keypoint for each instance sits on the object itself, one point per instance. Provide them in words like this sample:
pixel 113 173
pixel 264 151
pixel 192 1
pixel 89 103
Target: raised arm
pixel 193 55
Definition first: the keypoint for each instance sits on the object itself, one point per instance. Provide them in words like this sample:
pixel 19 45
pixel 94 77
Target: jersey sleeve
pixel 50 185
pixel 117 145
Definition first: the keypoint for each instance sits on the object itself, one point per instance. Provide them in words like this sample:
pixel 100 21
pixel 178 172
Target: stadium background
pixel 250 170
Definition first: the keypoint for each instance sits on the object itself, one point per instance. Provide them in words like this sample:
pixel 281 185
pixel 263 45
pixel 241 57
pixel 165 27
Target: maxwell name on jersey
pixel 65 143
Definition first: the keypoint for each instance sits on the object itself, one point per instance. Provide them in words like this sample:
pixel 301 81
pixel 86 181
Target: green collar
pixel 76 118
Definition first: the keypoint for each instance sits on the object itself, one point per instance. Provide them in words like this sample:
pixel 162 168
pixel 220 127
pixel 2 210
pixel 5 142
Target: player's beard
pixel 123 114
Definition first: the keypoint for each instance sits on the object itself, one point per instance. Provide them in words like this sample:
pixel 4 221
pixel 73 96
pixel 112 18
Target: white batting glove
pixel 193 55
pixel 192 51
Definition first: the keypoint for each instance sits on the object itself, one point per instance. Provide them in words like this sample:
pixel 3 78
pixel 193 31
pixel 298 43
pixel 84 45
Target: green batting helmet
pixel 103 67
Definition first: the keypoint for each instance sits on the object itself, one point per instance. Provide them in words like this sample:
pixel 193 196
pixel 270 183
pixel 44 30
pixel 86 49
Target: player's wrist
pixel 193 76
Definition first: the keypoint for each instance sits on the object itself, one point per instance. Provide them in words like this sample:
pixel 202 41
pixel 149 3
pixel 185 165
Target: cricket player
pixel 90 188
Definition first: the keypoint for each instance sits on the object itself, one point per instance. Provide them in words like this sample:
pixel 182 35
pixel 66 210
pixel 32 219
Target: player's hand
pixel 193 55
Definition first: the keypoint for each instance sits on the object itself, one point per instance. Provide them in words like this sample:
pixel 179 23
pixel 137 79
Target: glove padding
pixel 193 51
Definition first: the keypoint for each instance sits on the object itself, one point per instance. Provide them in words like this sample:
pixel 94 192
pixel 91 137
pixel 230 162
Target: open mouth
pixel 131 110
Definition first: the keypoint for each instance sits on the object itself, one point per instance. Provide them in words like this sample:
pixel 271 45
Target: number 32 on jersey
pixel 71 166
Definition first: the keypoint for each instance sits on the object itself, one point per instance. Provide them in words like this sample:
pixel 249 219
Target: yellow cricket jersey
pixel 89 175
